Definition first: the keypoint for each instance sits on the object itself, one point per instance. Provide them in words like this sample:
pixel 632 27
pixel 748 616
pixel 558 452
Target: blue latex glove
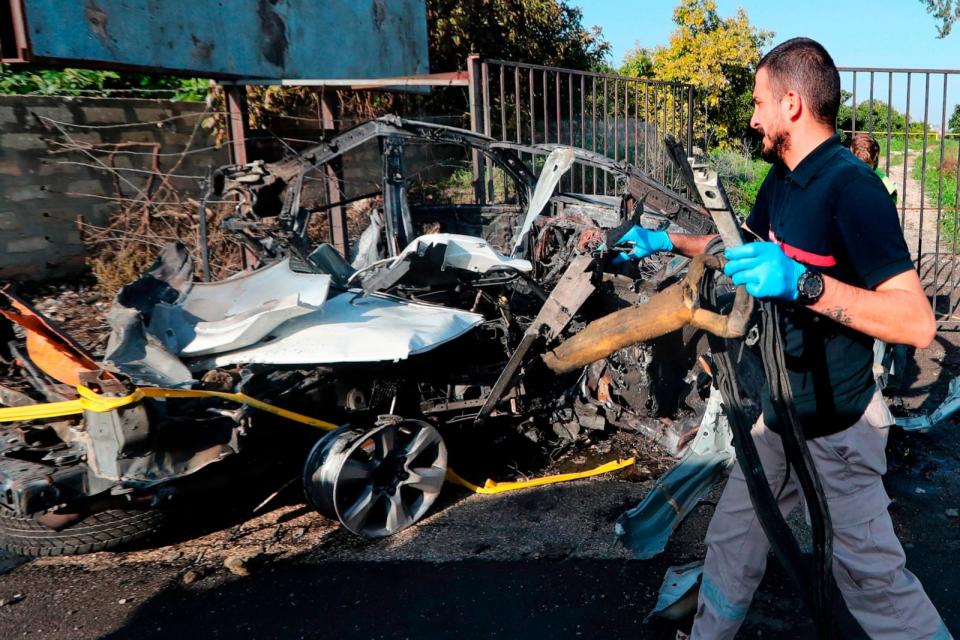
pixel 645 243
pixel 765 269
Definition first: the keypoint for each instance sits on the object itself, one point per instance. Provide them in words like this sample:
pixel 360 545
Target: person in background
pixel 863 146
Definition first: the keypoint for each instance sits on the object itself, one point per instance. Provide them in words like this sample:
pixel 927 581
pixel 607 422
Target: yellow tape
pixel 491 487
pixel 91 401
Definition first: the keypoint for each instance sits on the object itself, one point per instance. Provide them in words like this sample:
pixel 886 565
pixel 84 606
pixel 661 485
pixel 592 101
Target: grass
pixel 931 184
pixel 741 176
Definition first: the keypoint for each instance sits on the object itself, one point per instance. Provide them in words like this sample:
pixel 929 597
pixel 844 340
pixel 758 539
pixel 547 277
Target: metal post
pixel 475 96
pixel 487 127
pixel 238 127
pixel 336 215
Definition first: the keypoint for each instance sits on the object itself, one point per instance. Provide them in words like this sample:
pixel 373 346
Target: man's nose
pixel 754 121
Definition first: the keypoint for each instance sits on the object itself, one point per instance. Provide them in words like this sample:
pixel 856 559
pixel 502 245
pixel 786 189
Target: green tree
pixel 718 56
pixel 955 120
pixel 548 32
pixel 638 63
pixel 945 12
pixel 878 119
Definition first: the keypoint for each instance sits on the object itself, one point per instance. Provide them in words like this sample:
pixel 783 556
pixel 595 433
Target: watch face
pixel 811 286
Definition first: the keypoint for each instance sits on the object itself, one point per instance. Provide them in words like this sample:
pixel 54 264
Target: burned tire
pixel 96 532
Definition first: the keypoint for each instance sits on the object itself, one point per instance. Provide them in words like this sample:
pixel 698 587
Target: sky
pixel 857 33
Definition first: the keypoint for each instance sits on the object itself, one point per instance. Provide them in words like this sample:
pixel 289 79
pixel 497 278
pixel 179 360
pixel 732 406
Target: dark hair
pixel 805 66
pixel 864 147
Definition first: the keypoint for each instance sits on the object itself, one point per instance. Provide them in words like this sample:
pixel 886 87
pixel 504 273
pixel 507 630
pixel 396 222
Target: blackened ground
pixel 538 563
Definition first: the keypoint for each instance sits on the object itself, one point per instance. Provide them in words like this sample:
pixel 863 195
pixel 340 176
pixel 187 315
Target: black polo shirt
pixel 833 214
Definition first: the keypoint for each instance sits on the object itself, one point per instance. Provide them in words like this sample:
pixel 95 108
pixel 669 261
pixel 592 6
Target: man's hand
pixel 644 243
pixel 764 269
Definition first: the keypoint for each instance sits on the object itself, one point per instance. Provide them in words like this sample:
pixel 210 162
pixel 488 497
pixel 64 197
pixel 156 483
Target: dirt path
pixel 920 238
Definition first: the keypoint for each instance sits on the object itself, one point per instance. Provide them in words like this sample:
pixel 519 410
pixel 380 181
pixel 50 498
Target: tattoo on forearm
pixel 838 314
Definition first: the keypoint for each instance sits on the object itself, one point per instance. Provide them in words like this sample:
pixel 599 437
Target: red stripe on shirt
pixel 806 257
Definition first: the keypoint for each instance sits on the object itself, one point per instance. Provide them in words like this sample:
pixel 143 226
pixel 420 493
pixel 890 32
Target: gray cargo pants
pixel 868 561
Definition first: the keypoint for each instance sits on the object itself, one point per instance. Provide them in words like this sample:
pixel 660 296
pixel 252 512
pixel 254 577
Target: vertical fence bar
pixel 690 112
pixel 906 147
pixel 953 250
pixel 889 119
pixel 556 79
pixel 503 106
pixel 656 131
pixel 571 178
pixel 475 91
pixel 936 246
pixel 503 125
pixel 487 127
pixel 546 116
pixel 593 130
pixel 606 129
pixel 853 110
pixel 533 120
pixel 583 129
pixel 870 126
pixel 626 121
pixel 923 165
pixel 616 119
pixel 637 121
pixel 646 122
pixel 518 101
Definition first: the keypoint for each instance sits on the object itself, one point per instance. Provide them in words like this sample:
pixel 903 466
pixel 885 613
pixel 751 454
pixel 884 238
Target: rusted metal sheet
pixel 340 39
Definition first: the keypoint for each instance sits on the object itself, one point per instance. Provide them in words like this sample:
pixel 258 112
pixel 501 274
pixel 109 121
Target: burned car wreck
pixel 439 323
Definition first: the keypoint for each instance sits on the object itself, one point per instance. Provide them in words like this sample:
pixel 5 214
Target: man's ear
pixel 791 106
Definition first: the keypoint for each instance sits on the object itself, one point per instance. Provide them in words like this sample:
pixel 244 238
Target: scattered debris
pixel 190 576
pixel 646 528
pixel 239 564
pixel 678 594
pixel 15 598
pixel 947 408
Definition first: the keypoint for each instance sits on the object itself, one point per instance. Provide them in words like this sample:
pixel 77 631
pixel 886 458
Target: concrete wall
pixel 39 236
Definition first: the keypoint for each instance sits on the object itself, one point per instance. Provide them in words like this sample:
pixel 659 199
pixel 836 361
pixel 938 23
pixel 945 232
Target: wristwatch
pixel 809 287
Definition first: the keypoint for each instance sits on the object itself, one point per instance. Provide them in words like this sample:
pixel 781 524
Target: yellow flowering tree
pixel 716 55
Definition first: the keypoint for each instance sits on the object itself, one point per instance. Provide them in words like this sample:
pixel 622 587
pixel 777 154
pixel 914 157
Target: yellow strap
pixel 491 487
pixel 89 400
pixel 92 401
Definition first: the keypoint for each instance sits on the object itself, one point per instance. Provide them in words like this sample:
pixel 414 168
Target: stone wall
pixel 45 145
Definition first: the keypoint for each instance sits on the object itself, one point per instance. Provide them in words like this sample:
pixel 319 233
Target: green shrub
pixel 741 176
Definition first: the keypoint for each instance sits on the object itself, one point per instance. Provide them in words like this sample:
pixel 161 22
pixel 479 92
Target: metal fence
pixel 621 117
pixel 626 118
pixel 920 156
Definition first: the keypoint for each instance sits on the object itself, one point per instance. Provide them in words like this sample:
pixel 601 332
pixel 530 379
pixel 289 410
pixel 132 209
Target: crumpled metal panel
pixel 222 316
pixel 351 327
pixel 468 253
pixel 647 528
pixel 678 593
pixel 339 39
pixel 949 406
pixel 558 163
pixel 130 348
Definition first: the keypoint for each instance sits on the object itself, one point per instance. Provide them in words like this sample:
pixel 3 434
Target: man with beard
pixel 830 249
